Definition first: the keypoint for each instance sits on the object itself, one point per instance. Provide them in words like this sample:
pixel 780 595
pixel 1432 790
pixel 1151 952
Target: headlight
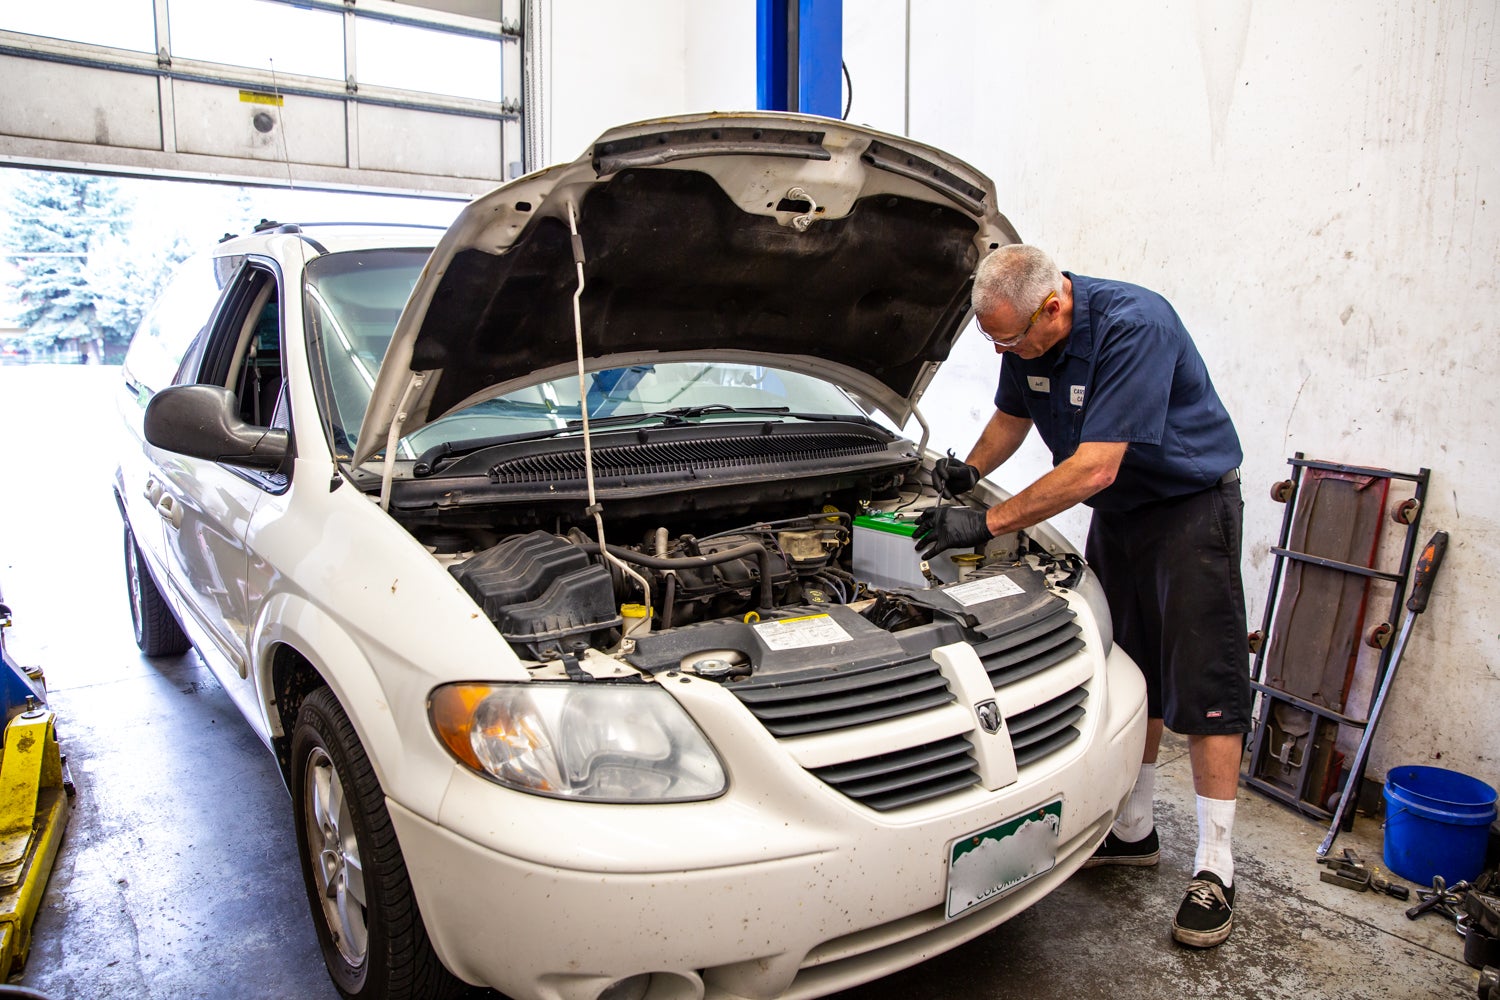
pixel 600 742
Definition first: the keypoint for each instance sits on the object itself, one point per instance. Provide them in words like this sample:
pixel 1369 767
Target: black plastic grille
pixel 845 699
pixel 1047 728
pixel 841 700
pixel 664 457
pixel 904 777
pixel 1020 654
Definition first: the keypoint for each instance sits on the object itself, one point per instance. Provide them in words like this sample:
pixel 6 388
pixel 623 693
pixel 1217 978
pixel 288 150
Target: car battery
pixel 885 556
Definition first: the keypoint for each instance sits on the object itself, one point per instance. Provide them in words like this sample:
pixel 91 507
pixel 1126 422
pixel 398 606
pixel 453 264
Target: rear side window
pixel 173 321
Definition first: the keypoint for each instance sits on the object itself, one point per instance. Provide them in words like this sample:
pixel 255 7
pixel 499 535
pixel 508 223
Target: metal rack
pixel 1301 795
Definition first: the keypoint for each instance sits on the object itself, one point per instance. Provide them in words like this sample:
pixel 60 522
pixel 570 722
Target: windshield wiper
pixel 680 414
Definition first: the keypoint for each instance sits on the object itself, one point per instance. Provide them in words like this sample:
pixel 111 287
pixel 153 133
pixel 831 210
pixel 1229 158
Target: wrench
pixel 1441 899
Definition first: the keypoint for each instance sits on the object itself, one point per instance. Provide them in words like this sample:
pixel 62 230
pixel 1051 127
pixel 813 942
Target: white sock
pixel 1136 820
pixel 1215 823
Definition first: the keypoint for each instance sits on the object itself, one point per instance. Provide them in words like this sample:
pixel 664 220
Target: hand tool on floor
pixel 1427 568
pixel 1351 872
pixel 1441 899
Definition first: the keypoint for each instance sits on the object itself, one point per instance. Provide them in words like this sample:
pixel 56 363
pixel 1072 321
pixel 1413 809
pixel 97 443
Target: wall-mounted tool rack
pixel 1314 619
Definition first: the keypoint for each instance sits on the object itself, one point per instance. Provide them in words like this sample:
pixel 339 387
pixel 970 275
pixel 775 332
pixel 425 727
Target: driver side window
pixel 243 353
pixel 257 384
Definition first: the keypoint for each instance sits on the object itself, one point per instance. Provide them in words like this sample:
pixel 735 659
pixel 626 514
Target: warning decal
pixel 991 588
pixel 799 633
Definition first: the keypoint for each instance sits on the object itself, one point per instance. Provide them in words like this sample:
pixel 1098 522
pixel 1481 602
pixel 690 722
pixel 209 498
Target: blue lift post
pixel 799 56
pixel 34 808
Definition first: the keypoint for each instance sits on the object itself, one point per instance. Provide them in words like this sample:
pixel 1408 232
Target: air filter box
pixel 543 594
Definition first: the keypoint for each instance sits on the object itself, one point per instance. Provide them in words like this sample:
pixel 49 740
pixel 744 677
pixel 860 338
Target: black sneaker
pixel 1134 853
pixel 1206 915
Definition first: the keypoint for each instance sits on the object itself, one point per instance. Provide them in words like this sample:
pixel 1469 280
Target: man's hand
pixel 949 527
pixel 952 477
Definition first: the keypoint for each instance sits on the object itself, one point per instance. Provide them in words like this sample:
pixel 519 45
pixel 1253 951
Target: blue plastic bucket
pixel 1437 822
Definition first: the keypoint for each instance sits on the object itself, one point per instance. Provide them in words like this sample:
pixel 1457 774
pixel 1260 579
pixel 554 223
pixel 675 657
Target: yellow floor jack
pixel 34 801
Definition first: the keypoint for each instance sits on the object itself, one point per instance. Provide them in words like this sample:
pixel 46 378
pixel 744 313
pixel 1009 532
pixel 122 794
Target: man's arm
pixel 998 442
pixel 1087 471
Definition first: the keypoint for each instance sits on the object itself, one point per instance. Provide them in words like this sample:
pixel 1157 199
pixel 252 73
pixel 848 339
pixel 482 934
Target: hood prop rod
pixel 926 431
pixel 595 508
pixel 388 467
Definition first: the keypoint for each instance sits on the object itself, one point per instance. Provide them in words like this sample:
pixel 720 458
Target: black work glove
pixel 949 527
pixel 952 477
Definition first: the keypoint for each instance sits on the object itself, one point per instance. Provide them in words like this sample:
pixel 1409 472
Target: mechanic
pixel 1108 375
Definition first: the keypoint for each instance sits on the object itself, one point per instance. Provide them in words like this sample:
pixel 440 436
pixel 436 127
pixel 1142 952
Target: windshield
pixel 353 301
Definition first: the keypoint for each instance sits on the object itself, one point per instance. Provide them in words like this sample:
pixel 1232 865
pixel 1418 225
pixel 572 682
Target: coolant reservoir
pixel 637 619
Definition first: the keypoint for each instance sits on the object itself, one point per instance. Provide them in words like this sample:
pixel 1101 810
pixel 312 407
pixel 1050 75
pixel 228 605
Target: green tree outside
pixel 81 285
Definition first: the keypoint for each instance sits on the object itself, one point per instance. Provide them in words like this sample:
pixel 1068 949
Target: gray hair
pixel 1018 274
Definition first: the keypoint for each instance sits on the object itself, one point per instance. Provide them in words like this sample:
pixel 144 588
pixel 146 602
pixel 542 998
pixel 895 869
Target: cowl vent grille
pixel 657 458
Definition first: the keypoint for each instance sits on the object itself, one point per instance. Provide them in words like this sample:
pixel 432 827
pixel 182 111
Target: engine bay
pixel 711 579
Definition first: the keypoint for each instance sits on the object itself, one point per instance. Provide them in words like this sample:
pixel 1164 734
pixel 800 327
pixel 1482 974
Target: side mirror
pixel 203 421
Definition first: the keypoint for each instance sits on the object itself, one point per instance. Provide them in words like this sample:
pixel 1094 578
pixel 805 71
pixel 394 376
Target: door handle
pixel 170 510
pixel 152 491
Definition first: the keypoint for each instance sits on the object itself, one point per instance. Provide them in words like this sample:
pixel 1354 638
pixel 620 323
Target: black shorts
pixel 1171 575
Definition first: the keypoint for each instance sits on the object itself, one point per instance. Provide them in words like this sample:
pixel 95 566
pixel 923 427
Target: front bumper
pixel 781 888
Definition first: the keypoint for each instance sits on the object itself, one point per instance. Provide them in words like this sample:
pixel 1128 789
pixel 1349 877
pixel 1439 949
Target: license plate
pixel 986 865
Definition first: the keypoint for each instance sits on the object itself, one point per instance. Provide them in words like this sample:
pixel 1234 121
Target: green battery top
pixel 890 523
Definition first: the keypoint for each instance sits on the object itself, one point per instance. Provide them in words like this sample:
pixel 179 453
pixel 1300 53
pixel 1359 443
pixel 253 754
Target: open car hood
pixel 783 240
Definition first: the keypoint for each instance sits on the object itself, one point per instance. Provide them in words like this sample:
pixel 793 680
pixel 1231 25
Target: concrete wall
pixel 608 63
pixel 1308 183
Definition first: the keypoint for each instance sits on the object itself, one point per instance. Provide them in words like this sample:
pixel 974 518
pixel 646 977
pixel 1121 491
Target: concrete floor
pixel 178 876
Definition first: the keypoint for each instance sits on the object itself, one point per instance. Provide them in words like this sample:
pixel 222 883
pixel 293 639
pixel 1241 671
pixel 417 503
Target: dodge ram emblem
pixel 989 716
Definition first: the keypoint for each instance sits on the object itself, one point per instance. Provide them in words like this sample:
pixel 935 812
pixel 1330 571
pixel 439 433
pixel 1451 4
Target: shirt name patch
pixel 1039 383
pixel 1075 395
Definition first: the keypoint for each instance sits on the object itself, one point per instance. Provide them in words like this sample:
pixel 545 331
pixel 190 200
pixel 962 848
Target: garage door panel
pixel 48 100
pixel 222 121
pixel 417 142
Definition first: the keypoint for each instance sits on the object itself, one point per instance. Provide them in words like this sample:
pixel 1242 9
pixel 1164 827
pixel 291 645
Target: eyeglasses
pixel 1012 342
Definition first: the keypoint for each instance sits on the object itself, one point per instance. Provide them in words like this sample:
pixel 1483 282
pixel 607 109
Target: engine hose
pixel 756 549
pixel 668 596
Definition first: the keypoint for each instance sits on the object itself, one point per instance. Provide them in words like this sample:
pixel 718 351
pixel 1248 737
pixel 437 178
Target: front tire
pixel 156 629
pixel 369 928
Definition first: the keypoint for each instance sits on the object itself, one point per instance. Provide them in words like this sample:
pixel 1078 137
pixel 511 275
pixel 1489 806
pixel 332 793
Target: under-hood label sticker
pixel 991 588
pixel 799 633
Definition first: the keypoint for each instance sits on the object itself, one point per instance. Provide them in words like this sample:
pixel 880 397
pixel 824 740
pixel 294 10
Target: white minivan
pixel 563 560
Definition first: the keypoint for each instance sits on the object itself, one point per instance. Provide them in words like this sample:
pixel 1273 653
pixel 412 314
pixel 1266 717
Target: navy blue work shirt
pixel 1128 371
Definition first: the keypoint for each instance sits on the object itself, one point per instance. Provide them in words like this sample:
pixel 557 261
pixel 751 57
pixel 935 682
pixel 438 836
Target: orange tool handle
pixel 1427 567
